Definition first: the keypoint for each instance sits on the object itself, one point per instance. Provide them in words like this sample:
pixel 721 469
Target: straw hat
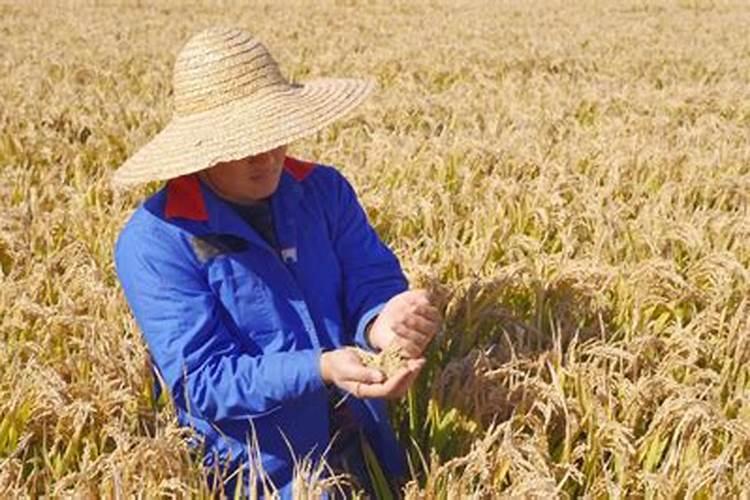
pixel 231 101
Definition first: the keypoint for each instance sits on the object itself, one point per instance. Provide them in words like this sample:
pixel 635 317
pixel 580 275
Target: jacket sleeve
pixel 185 328
pixel 371 272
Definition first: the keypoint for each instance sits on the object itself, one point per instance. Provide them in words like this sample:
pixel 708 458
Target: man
pixel 251 274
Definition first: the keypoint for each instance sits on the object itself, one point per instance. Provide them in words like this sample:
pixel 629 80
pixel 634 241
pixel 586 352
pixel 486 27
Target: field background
pixel 575 173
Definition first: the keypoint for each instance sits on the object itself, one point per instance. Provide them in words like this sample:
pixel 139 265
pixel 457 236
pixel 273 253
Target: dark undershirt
pixel 260 218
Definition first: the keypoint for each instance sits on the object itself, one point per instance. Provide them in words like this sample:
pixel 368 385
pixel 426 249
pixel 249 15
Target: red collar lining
pixel 185 200
pixel 298 168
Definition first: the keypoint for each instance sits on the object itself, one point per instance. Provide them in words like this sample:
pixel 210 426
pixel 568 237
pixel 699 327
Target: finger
pixel 411 341
pixel 353 388
pixel 361 390
pixel 402 329
pixel 397 385
pixel 408 347
pixel 429 312
pixel 387 388
pixel 421 325
pixel 351 369
pixel 418 296
pixel 416 365
pixel 371 391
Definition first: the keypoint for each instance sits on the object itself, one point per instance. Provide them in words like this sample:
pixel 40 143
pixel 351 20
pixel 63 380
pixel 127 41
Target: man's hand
pixel 410 319
pixel 344 368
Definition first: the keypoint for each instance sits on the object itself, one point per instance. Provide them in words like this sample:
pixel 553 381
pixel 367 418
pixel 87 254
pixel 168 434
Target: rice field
pixel 574 176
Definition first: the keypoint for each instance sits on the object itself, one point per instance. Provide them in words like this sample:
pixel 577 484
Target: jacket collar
pixel 187 196
pixel 185 199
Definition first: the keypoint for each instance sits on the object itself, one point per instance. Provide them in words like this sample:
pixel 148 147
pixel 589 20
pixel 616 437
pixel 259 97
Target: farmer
pixel 252 274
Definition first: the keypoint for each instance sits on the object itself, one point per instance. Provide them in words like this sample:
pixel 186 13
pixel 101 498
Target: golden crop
pixel 576 174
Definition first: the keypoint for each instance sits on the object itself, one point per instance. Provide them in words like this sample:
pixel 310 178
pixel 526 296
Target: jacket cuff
pixel 360 337
pixel 297 373
pixel 310 363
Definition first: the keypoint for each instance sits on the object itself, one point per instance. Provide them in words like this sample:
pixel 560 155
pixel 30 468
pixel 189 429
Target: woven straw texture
pixel 231 101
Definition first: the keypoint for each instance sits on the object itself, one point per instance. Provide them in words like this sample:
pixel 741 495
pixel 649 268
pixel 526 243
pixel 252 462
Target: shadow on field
pixel 517 321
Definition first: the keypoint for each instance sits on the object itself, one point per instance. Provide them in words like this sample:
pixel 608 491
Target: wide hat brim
pixel 242 128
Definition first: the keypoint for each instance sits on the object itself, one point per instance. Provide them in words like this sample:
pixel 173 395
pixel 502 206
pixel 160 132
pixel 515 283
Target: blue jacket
pixel 236 329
